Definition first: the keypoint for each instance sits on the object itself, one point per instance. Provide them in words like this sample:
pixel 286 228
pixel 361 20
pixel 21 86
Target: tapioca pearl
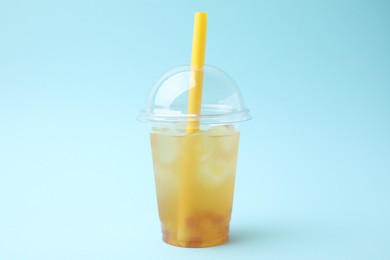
pixel 214 218
pixel 192 222
pixel 218 219
pixel 205 223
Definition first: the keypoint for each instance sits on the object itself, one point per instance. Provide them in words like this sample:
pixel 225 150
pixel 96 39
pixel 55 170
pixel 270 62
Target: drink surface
pixel 194 177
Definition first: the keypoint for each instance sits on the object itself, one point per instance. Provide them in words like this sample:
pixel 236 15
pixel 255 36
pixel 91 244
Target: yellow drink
pixel 207 159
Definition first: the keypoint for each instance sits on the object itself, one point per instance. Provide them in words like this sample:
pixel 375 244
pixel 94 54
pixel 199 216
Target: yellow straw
pixel 187 174
pixel 197 63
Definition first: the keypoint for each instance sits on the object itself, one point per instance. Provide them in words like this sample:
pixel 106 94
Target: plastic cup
pixel 195 172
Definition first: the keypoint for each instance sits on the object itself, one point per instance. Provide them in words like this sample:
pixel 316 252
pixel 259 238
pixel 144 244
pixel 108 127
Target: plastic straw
pixel 197 63
pixel 187 174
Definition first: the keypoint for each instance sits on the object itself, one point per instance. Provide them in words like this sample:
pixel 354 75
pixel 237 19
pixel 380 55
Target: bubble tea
pixel 195 172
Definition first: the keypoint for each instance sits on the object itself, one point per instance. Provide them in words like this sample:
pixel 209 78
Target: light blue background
pixel 76 176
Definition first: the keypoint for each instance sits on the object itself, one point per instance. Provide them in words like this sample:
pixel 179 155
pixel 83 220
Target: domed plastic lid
pixel 222 102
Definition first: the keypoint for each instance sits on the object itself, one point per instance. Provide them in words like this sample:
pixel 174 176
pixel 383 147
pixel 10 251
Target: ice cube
pixel 196 148
pixel 221 130
pixel 173 131
pixel 213 173
pixel 165 148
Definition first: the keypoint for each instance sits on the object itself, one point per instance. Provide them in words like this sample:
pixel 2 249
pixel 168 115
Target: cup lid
pixel 167 102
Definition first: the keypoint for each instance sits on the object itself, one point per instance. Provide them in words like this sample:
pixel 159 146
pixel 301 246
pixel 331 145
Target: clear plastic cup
pixel 195 172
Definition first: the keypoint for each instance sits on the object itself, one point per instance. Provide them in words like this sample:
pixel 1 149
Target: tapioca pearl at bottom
pixel 206 220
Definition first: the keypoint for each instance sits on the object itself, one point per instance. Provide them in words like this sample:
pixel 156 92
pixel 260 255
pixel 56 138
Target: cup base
pixel 196 243
pixel 197 238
